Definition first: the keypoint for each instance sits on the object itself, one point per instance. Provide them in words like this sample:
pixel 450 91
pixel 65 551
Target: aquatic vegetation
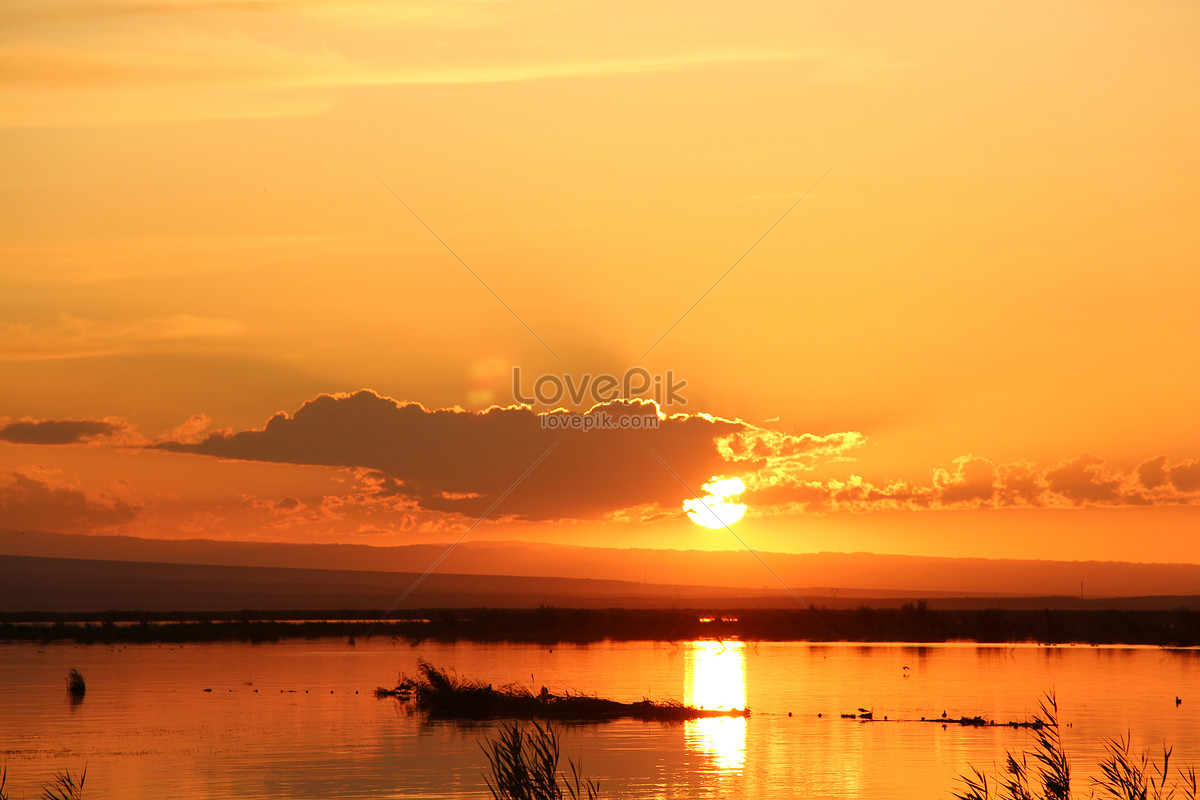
pixel 1045 773
pixel 64 786
pixel 524 766
pixel 443 694
pixel 1131 776
pixel 76 686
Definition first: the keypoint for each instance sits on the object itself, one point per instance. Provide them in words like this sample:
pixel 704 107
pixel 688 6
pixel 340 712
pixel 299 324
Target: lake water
pixel 300 720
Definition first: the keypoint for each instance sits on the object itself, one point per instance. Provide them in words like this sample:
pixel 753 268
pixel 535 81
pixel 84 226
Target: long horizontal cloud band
pixel 66 431
pixel 460 461
pixel 980 483
pixel 410 459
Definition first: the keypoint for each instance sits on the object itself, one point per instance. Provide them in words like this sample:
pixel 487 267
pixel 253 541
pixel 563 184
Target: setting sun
pixel 714 509
pixel 350 341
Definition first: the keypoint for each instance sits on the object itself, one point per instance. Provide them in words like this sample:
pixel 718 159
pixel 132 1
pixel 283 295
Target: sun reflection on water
pixel 715 678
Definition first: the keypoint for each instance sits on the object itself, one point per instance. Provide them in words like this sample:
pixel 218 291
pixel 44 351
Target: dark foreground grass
pixel 1044 773
pixel 523 765
pixel 64 786
pixel 441 693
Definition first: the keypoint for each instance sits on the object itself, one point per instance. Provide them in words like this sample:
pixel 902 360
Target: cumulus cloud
pixel 36 498
pixel 1153 472
pixel 784 449
pixel 1020 483
pixel 418 467
pixel 979 483
pixel 69 432
pixel 1084 480
pixel 1186 476
pixel 191 431
pixel 458 461
pixel 972 482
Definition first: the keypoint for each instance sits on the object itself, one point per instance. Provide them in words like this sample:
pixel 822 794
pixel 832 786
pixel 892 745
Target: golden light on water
pixel 715 510
pixel 715 678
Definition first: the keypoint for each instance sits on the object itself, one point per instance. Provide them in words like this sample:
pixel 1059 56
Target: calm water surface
pixel 299 719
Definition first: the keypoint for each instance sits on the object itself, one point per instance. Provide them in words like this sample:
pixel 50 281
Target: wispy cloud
pixel 249 64
pixel 101 260
pixel 67 63
pixel 75 337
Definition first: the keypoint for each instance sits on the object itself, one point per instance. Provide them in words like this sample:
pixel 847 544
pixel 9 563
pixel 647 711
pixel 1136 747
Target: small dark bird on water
pixel 943 715
pixel 1178 702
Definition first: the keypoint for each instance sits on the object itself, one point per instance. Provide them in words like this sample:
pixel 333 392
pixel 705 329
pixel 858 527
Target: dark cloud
pixel 59 431
pixel 1153 472
pixel 459 461
pixel 421 463
pixel 1083 480
pixel 1186 476
pixel 973 482
pixel 34 499
pixel 1020 484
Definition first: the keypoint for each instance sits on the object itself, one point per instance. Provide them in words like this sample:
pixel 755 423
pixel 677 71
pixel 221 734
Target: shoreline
pixel 910 624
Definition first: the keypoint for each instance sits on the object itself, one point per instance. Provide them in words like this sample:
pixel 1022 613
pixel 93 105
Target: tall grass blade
pixel 524 766
pixel 64 786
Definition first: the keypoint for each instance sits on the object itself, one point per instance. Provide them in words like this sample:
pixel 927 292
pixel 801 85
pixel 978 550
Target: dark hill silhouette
pixel 831 575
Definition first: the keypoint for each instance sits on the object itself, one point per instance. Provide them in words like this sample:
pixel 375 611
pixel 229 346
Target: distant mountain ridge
pixel 824 574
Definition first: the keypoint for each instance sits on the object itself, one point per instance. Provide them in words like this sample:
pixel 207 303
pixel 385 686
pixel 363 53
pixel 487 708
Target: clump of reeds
pixel 1045 773
pixel 524 766
pixel 444 694
pixel 76 686
pixel 1132 776
pixel 64 786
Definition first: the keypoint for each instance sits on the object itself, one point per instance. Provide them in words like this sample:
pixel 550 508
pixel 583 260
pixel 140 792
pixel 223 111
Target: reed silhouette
pixel 76 686
pixel 524 766
pixel 1045 772
pixel 63 786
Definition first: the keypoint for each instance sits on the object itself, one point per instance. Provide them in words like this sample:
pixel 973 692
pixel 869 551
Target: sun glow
pixel 714 509
pixel 715 678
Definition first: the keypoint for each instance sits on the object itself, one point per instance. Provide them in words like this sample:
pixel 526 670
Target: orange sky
pixel 975 334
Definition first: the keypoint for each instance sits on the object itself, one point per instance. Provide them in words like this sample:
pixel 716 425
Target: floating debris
pixel 969 722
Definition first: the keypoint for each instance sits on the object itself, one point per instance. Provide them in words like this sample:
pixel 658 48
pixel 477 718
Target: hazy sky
pixel 974 334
